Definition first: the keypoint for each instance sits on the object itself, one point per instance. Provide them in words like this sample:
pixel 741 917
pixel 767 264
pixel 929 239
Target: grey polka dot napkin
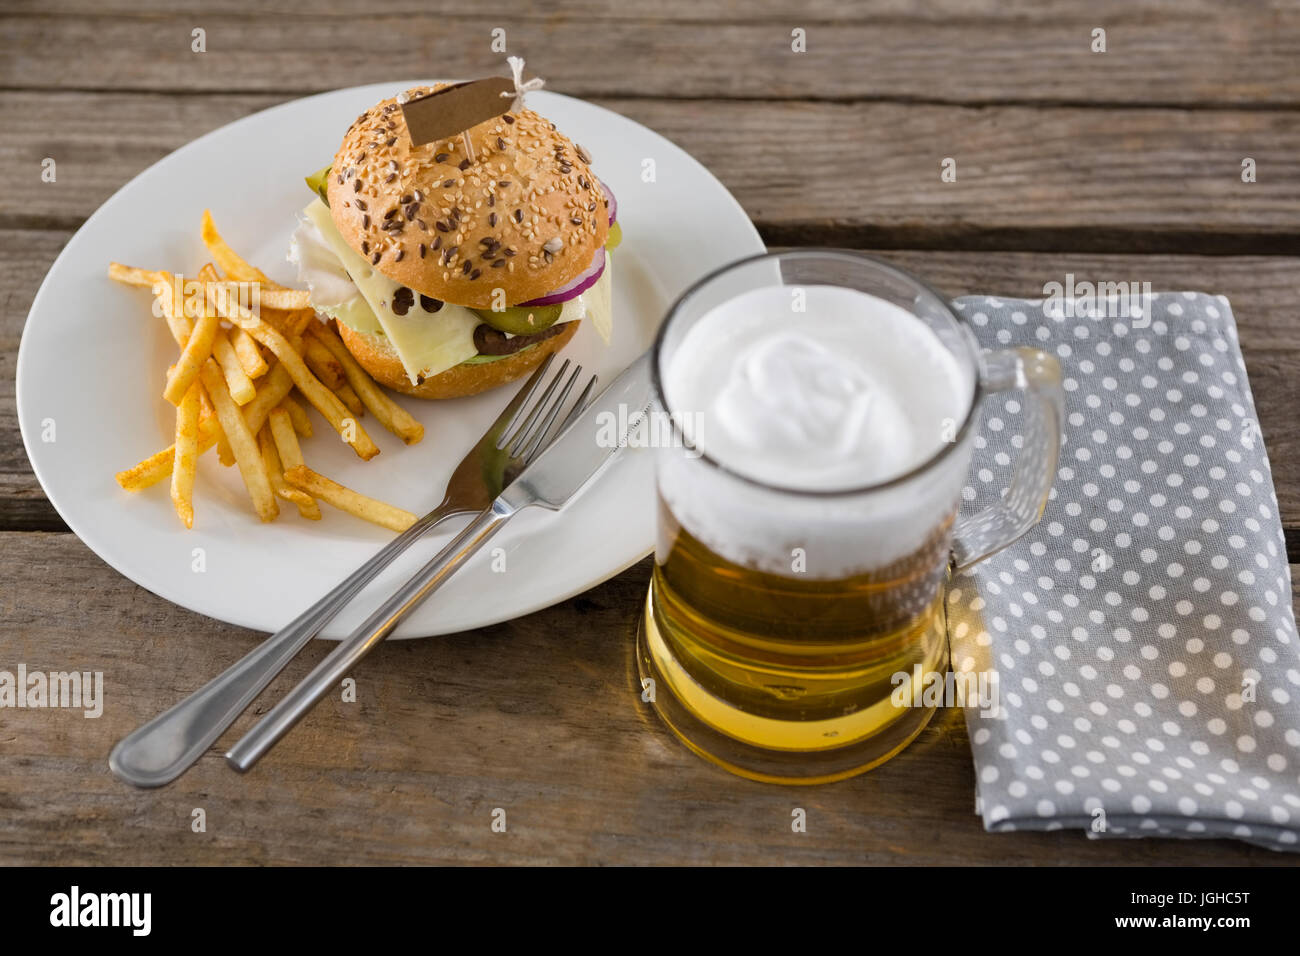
pixel 1142 637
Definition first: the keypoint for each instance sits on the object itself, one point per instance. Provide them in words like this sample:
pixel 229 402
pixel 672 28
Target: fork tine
pixel 568 419
pixel 520 403
pixel 525 428
pixel 545 412
pixel 542 439
pixel 578 406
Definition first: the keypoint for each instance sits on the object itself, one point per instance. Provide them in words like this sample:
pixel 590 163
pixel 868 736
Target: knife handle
pixel 281 718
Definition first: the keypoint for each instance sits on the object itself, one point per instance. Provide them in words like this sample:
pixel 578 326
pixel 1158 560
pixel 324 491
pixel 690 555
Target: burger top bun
pixel 526 215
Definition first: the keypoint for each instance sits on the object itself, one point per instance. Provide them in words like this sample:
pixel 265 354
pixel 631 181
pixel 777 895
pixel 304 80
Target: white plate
pixel 93 358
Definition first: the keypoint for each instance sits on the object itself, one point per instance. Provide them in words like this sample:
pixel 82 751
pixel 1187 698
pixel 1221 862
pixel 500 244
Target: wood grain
pixel 1150 180
pixel 540 717
pixel 1201 55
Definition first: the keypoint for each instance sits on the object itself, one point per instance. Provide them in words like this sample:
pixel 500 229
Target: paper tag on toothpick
pixel 455 109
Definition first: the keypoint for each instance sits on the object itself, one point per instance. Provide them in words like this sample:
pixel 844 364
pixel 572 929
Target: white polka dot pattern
pixel 1142 634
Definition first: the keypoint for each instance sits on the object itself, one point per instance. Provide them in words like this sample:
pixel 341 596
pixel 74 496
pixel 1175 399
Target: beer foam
pixel 851 391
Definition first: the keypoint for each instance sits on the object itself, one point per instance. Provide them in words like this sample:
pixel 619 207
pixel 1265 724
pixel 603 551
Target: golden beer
pixel 785 676
pixel 823 406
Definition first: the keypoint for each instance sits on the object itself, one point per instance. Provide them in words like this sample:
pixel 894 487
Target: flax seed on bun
pixel 526 215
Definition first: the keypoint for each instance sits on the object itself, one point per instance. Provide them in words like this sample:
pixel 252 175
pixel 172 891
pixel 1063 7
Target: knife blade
pixel 587 444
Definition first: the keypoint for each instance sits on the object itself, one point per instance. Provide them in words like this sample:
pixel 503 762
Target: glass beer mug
pixel 822 407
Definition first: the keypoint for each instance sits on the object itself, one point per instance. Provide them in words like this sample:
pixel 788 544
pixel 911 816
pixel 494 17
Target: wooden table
pixel 1117 165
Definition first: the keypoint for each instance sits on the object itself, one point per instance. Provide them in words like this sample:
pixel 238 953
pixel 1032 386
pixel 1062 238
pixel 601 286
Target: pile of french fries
pixel 234 385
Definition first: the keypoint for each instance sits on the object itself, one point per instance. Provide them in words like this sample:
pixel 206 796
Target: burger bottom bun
pixel 377 357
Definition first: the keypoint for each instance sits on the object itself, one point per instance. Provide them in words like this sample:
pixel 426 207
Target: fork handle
pixel 164 748
pixel 281 718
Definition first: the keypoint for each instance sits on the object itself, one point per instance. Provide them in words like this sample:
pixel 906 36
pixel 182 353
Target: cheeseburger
pixel 450 270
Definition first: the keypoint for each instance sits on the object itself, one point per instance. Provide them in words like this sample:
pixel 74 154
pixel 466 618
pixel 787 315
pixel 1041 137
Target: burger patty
pixel 489 341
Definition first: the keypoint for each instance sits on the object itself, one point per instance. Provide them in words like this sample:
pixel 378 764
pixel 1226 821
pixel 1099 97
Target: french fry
pixel 289 300
pixel 198 347
pixel 241 386
pixel 275 386
pixel 155 468
pixel 306 504
pixel 250 356
pixel 391 415
pixel 178 321
pixel 277 340
pixel 251 467
pixel 288 323
pixel 237 380
pixel 345 499
pixel 349 398
pixel 279 424
pixel 133 275
pixel 186 454
pixel 158 466
pixel 152 469
pixel 286 442
pixel 325 365
pixel 231 263
pixel 298 414
pixel 224 455
pixel 325 401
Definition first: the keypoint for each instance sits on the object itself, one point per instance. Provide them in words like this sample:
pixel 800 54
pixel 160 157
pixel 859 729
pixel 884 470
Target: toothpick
pixel 469 147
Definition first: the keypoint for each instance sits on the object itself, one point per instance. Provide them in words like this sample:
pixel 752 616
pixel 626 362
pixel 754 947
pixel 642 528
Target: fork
pixel 161 750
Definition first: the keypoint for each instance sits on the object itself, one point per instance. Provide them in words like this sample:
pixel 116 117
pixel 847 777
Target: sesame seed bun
pixel 378 358
pixel 526 213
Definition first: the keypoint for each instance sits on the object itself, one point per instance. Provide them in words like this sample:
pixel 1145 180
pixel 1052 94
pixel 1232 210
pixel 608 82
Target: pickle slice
pixel 317 183
pixel 615 236
pixel 521 319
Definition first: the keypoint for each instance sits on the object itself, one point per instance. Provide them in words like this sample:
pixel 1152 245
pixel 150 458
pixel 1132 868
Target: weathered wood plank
pixel 597 11
pixel 855 174
pixel 1234 54
pixel 25 257
pixel 540 717
pixel 1037 179
pixel 1262 290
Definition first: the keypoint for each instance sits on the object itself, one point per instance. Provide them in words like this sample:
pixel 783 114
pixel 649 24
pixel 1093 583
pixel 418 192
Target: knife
pixel 571 461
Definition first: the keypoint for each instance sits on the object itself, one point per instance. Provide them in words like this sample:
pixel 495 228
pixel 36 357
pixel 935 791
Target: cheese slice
pixel 599 300
pixel 426 342
pixel 332 290
pixel 355 313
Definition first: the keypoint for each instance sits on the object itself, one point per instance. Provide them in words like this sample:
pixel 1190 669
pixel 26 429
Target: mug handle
pixel 1038 375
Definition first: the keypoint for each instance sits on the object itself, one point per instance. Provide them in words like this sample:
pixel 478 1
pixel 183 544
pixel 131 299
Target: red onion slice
pixel 574 288
pixel 613 203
